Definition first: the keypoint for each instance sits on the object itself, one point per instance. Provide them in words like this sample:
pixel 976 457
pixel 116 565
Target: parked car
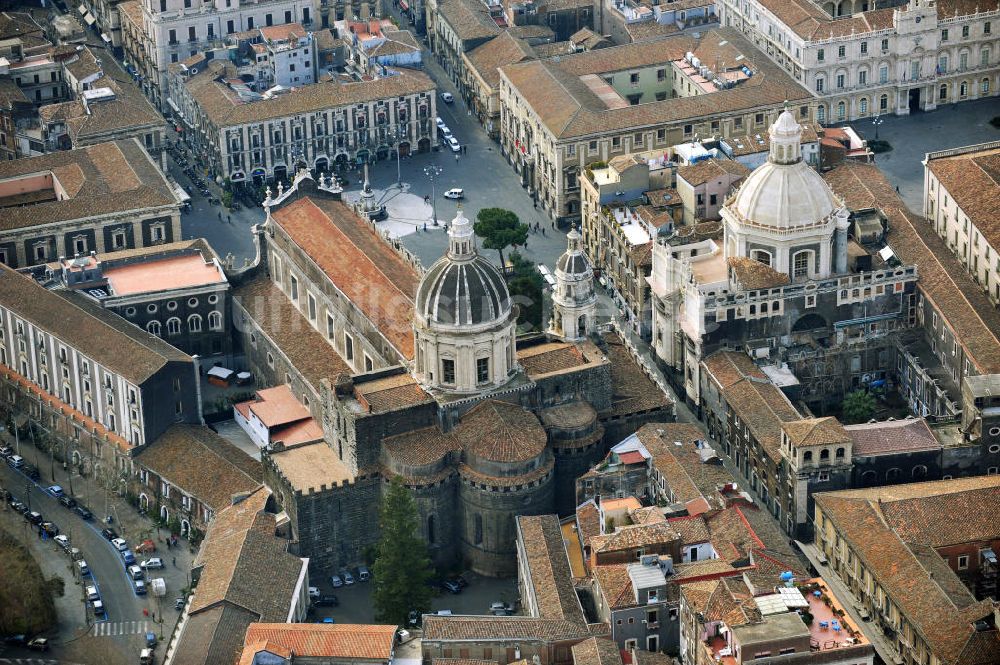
pixel 313 593
pixel 62 540
pixel 97 607
pixel 54 490
pixel 454 144
pixel 128 557
pixel 7 451
pixel 336 581
pixel 455 194
pixel 348 578
pixel 9 498
pixel 179 603
pixel 75 554
pixel 140 588
pixel 51 529
pixel 150 640
pixel 15 461
pixel 146 657
pixel 403 636
pixel 16 640
pixel 67 501
pixel 156 563
pixel 38 644
pixel 462 582
pixel 440 124
pixel 135 572
pixel 109 533
pixel 92 593
pixel 34 517
pixel 83 512
pixel 500 609
pixel 364 574
pixel 328 600
pixel 451 586
pixel 82 565
pixel 120 544
pixel 31 471
pixel 444 132
pixel 447 97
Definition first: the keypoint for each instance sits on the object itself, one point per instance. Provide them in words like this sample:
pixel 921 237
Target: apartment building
pixel 62 354
pixel 30 59
pixel 157 33
pixel 244 136
pixel 921 560
pixel 105 197
pixel 862 60
pixel 960 190
pixel 559 116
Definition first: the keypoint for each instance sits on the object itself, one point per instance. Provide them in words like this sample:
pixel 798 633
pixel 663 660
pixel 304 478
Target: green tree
pixel 525 287
pixel 402 566
pixel 499 229
pixel 858 407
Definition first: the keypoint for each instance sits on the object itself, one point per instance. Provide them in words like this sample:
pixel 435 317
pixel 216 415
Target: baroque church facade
pixel 421 376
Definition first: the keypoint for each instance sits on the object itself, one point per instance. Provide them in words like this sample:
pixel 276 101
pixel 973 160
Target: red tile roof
pixel 377 280
pixel 334 641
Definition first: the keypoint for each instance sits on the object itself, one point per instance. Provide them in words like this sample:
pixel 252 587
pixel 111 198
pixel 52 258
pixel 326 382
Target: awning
pixel 171 104
pixel 89 18
pixel 402 5
pixel 106 37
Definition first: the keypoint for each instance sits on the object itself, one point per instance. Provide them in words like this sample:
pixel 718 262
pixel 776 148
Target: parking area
pixel 356 600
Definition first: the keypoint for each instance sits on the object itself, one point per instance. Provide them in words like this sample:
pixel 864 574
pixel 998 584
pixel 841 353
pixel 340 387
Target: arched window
pixel 802 264
pixel 153 327
pixel 478 524
pixel 841 111
pixel 194 323
pixel 869 478
pixel 919 471
pixel 807 456
pixel 943 92
pixel 863 106
pixel 963 89
pixel 892 475
pixel 215 320
pixel 984 56
pixel 173 326
pixel 841 452
pixel 430 529
pixel 821 113
pixel 824 454
pixel 883 103
pixel 984 86
pixel 762 256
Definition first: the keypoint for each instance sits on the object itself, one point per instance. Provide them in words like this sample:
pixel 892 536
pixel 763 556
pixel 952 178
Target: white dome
pixel 784 196
pixel 784 192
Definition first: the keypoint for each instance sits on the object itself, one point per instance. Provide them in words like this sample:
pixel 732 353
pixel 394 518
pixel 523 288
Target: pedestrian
pixel 425 227
pixel 456 156
pixel 230 218
pixel 897 189
pixel 534 204
pixel 175 561
pixel 543 231
pixel 220 216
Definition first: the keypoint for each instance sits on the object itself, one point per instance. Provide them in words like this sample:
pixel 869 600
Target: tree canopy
pixel 858 407
pixel 402 566
pixel 526 291
pixel 500 228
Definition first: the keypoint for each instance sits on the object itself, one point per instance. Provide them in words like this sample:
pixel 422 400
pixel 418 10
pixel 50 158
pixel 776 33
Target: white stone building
pixel 861 61
pixel 961 188
pixel 156 33
pixel 290 52
pixel 574 303
pixel 464 327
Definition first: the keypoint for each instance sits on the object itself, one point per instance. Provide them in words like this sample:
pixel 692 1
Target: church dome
pixel 573 261
pixel 462 288
pixel 784 192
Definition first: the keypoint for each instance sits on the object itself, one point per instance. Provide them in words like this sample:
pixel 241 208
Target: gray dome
pixel 573 264
pixel 463 292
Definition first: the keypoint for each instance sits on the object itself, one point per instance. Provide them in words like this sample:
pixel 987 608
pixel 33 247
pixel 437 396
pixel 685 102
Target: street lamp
pixel 400 134
pixel 876 121
pixel 432 172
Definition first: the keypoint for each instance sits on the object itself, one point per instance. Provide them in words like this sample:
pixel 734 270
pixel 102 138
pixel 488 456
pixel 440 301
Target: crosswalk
pixel 119 628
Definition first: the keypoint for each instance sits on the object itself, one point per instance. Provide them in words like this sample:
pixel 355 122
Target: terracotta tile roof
pixel 751 274
pixel 501 629
pixel 306 349
pixel 692 529
pixel 727 368
pixel 634 536
pixel 952 8
pixel 277 406
pixel 390 393
pixel 596 651
pixel 111 178
pixel 549 573
pixel 494 480
pixel 883 524
pixel 421 447
pixel 634 392
pixel 251 651
pixel 221 471
pixel 649 30
pixel 943 279
pixel 711 169
pixel 504 49
pixel 892 437
pixel 763 408
pixel 501 432
pixel 568 108
pixel 815 432
pixel 245 565
pixel 346 641
pixel 283 32
pixel 83 65
pixel 224 108
pixel 129 111
pixel 468 19
pixel 686 475
pixel 213 636
pixel 83 325
pixel 696 570
pixel 469 661
pixel 377 280
pixel 648 515
pixel 727 600
pixel 570 415
pixel 615 585
pixel 588 520
pixel 550 357
pixel 311 466
pixel 973 181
